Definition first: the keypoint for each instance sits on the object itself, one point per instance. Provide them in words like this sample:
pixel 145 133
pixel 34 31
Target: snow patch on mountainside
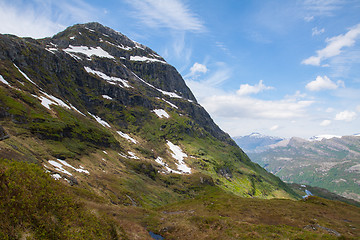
pixel 145 59
pixel 59 166
pixel 138 45
pixel 171 104
pixel 111 80
pixel 48 99
pixel 170 94
pixel 160 161
pixel 88 51
pixel 106 97
pixel 321 137
pixel 161 113
pixel 56 176
pixel 127 48
pixel 99 120
pixel 4 81
pixel 80 169
pixel 124 135
pixel 132 155
pixel 179 155
pixel 25 76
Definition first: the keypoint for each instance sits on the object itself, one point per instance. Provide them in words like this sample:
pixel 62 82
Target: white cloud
pixel 26 22
pixel 246 89
pixel 325 123
pixel 334 46
pixel 323 83
pixel 196 69
pixel 346 116
pixel 40 19
pixel 173 14
pixel 316 31
pixel 275 127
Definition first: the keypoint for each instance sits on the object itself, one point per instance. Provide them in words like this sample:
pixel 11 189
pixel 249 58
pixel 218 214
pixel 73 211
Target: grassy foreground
pixel 35 206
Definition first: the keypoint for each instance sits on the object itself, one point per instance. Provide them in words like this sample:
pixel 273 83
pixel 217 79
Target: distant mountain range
pixel 256 142
pixel 327 161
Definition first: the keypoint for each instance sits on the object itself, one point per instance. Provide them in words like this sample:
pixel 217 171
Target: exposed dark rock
pixel 3 134
pixel 315 227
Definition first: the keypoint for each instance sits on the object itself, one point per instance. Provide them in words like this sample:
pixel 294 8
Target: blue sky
pixel 281 68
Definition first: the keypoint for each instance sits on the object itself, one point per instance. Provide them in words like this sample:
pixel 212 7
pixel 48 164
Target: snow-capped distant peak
pixel 256 135
pixel 324 136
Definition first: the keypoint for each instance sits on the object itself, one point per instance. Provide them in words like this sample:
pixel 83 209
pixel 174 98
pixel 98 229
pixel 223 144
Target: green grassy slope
pixel 35 206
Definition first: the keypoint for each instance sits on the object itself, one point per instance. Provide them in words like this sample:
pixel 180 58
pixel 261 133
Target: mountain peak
pixel 256 142
pixel 94 33
pixel 323 136
pixel 255 134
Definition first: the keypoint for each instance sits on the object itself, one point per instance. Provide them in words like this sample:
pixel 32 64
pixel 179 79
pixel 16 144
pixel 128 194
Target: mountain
pixel 326 161
pixel 90 95
pixel 256 142
pixel 102 139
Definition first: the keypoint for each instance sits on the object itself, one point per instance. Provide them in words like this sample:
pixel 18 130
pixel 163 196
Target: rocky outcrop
pixel 3 134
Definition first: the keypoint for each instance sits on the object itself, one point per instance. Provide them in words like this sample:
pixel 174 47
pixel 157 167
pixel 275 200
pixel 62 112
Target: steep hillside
pixel 95 108
pixel 324 161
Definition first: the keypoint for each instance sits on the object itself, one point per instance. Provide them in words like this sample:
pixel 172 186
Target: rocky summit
pixel 100 138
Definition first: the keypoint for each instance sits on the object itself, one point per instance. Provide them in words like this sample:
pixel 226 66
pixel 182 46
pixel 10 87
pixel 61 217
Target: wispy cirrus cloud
pixel 334 46
pixel 173 14
pixel 321 7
